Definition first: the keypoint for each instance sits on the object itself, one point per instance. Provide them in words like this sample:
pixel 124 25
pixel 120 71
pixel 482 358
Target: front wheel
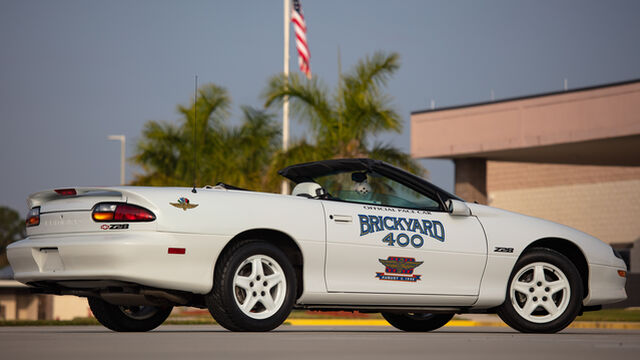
pixel 128 318
pixel 544 293
pixel 417 322
pixel 254 287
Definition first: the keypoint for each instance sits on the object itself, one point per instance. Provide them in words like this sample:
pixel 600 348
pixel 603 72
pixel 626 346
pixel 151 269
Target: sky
pixel 74 72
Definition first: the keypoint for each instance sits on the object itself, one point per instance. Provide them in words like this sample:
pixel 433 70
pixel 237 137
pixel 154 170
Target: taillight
pixel 33 217
pixel 106 212
pixel 66 192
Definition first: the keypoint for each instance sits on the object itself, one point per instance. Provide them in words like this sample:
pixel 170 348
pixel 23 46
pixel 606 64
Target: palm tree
pixel 342 124
pixel 237 155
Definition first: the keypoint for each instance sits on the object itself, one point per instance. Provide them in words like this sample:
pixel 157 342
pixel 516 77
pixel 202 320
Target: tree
pixel 342 124
pixel 12 228
pixel 237 155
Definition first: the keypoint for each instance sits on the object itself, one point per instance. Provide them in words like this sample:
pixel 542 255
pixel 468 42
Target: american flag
pixel 300 28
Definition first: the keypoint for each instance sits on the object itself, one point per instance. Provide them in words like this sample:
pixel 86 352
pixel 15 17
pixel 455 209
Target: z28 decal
pixel 114 226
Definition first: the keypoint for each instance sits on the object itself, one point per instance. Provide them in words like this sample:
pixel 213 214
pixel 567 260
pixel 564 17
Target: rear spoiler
pixel 41 197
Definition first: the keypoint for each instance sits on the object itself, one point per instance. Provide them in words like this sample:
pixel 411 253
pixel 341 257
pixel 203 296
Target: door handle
pixel 342 218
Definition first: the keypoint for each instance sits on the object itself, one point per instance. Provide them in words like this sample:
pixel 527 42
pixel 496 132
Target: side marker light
pixel 622 273
pixel 177 251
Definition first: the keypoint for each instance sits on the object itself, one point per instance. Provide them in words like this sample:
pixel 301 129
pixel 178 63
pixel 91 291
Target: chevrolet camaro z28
pixel 354 234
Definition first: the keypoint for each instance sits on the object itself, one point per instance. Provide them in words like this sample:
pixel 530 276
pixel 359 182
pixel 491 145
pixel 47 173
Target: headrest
pixel 308 189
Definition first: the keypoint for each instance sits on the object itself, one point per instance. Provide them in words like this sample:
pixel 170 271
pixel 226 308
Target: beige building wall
pixel 24 306
pixel 7 307
pixel 585 126
pixel 70 307
pixel 603 201
pixel 27 307
pixel 18 303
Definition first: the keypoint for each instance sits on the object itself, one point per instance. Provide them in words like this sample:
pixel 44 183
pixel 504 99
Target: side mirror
pixel 458 208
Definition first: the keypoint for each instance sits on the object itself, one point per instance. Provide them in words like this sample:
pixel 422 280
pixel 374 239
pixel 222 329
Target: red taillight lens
pixel 132 213
pixel 66 192
pixel 33 217
pixel 105 212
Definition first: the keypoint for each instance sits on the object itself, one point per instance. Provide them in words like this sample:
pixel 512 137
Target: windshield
pixel 372 188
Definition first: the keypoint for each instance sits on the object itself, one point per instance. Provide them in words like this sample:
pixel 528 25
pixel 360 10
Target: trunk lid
pixel 72 213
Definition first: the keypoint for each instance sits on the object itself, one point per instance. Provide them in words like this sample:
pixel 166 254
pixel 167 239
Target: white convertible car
pixel 355 234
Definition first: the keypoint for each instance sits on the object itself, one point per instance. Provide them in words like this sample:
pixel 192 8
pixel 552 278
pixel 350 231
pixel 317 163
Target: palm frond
pixel 299 152
pixel 395 156
pixel 308 99
pixel 372 72
pixel 240 155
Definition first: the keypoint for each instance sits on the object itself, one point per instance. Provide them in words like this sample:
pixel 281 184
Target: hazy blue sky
pixel 72 72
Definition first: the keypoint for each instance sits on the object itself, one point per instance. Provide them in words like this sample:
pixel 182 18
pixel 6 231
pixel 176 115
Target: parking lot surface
pixel 324 342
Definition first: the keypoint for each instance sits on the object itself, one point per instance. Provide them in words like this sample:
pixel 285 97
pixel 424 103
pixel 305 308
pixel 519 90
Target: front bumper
pixel 135 257
pixel 605 285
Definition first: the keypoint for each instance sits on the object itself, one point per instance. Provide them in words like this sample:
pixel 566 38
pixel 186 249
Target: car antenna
pixel 195 145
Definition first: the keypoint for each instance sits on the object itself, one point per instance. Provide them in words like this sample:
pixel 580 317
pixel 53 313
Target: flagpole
pixel 285 103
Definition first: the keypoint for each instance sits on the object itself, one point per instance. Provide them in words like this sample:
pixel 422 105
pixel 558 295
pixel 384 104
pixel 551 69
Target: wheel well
pixel 283 241
pixel 570 250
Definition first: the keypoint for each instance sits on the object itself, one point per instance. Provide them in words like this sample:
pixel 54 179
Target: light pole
pixel 122 140
pixel 285 103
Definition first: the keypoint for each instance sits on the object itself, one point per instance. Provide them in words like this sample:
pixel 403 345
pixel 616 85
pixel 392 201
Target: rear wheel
pixel 254 287
pixel 544 293
pixel 417 322
pixel 128 318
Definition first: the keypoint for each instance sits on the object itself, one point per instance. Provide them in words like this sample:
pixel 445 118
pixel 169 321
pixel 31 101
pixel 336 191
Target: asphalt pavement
pixel 317 342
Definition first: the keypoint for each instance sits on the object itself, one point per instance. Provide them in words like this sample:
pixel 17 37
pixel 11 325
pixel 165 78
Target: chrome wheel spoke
pixel 557 285
pixel 273 280
pixel 529 307
pixel 521 287
pixel 268 303
pixel 249 302
pixel 538 274
pixel 243 282
pixel 550 306
pixel 256 268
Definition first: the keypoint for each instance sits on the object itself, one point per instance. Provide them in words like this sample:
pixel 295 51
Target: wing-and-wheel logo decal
pixel 399 269
pixel 184 204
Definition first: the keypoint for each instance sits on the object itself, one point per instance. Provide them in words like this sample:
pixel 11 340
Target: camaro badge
pixel 184 204
pixel 399 265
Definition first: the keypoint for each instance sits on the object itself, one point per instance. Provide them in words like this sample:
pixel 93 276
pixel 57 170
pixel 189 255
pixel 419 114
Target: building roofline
pixel 627 82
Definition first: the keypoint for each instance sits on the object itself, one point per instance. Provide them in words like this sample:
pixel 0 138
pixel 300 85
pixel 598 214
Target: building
pixel 17 302
pixel 572 157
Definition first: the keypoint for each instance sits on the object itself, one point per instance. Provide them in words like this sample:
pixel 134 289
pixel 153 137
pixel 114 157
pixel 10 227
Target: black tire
pixel 272 299
pixel 128 318
pixel 547 294
pixel 417 322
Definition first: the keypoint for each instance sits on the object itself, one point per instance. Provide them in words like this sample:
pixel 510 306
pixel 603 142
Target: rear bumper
pixel 136 257
pixel 605 285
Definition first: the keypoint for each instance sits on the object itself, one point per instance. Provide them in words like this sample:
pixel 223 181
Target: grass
pixel 309 314
pixel 631 315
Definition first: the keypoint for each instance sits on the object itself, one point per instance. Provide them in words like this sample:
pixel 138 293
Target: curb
pixel 458 323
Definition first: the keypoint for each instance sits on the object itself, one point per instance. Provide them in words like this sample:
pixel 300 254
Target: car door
pixel 393 240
